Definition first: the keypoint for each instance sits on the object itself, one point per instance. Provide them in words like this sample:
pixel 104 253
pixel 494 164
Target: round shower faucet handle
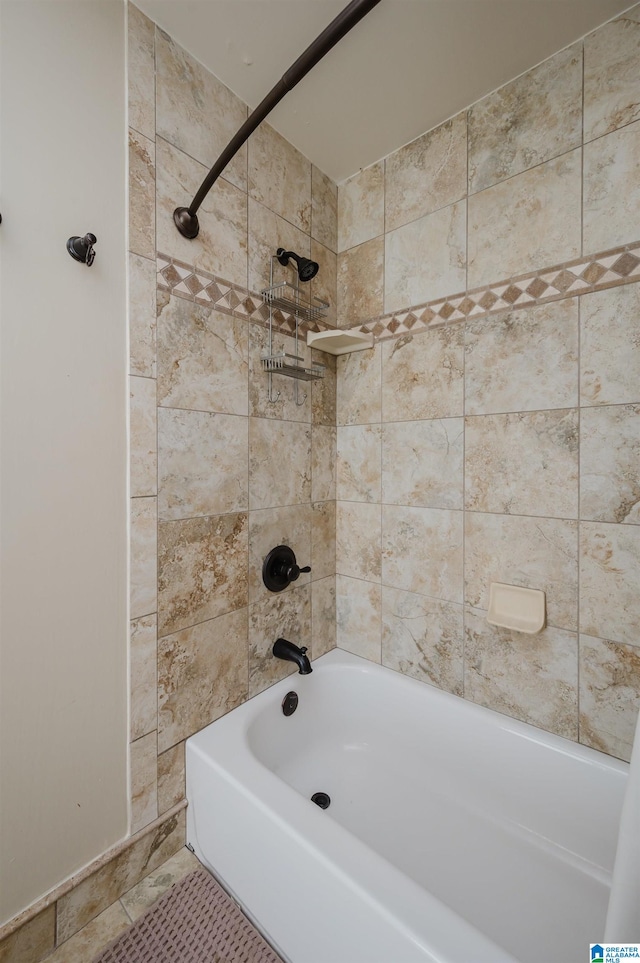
pixel 280 568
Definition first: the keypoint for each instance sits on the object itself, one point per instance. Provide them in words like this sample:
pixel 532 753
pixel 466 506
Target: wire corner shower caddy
pixel 287 297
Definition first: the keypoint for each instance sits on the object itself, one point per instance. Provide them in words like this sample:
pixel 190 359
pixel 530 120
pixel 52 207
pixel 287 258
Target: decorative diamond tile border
pixel 186 282
pixel 609 269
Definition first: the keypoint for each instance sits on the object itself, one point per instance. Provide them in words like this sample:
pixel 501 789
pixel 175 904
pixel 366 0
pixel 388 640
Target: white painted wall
pixel 63 648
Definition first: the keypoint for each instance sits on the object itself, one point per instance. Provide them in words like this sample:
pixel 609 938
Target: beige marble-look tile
pixel 427 174
pixel 426 258
pixel 268 232
pixel 107 884
pixel 282 405
pixel 145 893
pixel 358 617
pixel 143 767
pixel 202 569
pixel 143 555
pixel 195 111
pixel 422 551
pixel 423 376
pixel 358 540
pixel 324 209
pixel 142 195
pixel 361 207
pixel 359 454
pixel 610 346
pixel 203 358
pixel 612 75
pixel 527 222
pixel 142 316
pixel 285 614
pixel 360 283
pixel 532 678
pixel 536 553
pixel 141 72
pixel 523 360
pixel 202 674
pixel 171 777
pixel 423 463
pixel 609 695
pixel 93 937
pixel 143 437
pixel 323 463
pixel 525 463
pixel 221 246
pixel 323 539
pixel 202 463
pixel 143 658
pixel 279 463
pixel 609 600
pixel 423 638
pixel 609 464
pixel 280 177
pixel 33 941
pixel 278 526
pixel 359 387
pixel 323 391
pixel 611 196
pixel 324 285
pixel 528 121
pixel 323 616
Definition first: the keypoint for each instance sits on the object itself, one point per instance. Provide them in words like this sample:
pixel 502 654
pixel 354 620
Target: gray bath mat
pixel 194 922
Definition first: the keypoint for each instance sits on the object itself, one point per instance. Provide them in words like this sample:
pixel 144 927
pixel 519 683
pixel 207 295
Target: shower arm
pixel 186 218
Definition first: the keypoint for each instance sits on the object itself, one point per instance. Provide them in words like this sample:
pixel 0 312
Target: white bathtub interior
pixel 505 833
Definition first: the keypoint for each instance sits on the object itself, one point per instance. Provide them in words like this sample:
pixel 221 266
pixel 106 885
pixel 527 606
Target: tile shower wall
pixel 219 473
pixel 505 444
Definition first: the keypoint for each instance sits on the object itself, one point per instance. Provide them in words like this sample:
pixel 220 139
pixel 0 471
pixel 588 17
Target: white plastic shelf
pixel 339 342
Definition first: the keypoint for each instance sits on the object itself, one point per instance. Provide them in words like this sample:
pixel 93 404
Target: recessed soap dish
pixel 513 607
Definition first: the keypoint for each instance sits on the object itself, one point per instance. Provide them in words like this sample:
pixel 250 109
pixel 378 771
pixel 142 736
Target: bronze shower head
pixel 306 269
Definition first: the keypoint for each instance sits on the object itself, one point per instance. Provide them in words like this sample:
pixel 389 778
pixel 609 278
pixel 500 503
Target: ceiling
pixel 405 68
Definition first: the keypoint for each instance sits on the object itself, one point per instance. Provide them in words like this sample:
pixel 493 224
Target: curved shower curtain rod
pixel 186 218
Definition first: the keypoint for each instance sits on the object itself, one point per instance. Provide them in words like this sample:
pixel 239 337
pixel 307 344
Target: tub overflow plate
pixel 322 799
pixel 290 703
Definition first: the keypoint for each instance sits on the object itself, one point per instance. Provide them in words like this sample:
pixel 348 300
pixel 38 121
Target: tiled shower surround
pixel 494 258
pixel 219 473
pixel 493 434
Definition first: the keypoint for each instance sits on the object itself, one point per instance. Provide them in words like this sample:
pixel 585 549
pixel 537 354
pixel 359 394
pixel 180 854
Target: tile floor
pixel 82 947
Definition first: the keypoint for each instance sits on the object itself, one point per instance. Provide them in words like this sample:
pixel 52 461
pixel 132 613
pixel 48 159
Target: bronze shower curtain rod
pixel 186 218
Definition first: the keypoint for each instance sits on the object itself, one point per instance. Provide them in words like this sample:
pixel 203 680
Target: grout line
pixel 157 305
pixel 381 506
pixel 582 157
pixel 483 512
pixel 466 206
pixel 247 208
pixel 464 512
pixel 578 527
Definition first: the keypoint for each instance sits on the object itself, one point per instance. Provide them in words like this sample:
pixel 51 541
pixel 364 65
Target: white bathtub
pixel 454 834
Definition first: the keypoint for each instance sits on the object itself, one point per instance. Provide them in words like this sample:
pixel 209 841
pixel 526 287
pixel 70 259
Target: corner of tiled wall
pixel 143 421
pixel 494 431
